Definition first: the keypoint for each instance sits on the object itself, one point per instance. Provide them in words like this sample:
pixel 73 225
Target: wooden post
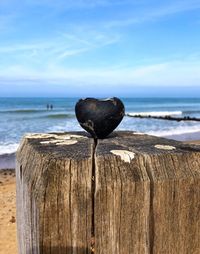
pixel 54 203
pixel 132 193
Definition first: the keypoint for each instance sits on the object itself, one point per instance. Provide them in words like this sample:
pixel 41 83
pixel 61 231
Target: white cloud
pixel 43 59
pixel 165 74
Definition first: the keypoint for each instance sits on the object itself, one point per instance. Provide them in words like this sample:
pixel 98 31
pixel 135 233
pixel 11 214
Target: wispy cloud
pixel 166 74
pixel 92 42
pixel 78 4
pixel 52 51
pixel 156 12
pixel 68 53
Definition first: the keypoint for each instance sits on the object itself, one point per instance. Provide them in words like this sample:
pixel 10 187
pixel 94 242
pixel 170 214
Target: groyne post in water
pixel 129 193
pixel 167 117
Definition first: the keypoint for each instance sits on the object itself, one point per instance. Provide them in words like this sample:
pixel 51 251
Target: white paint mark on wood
pixel 165 147
pixel 138 133
pixel 67 142
pixel 48 135
pixel 49 142
pixel 40 135
pixel 77 136
pixel 125 155
pixel 68 137
pixel 60 142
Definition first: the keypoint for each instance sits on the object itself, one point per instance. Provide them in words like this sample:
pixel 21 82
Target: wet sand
pixel 8 242
pixel 7 161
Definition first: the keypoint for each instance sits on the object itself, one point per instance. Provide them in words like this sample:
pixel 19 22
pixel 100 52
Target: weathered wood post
pixel 132 193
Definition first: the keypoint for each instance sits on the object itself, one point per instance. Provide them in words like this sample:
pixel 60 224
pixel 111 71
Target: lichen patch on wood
pixel 165 147
pixel 49 142
pixel 76 136
pixel 60 142
pixel 125 155
pixel 67 142
pixel 138 133
pixel 39 135
pixel 57 139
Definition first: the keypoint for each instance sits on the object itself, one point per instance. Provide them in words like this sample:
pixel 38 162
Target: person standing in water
pixel 47 106
pixel 51 107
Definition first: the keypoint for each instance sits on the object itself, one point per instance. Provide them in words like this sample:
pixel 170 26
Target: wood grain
pixel 121 202
pixel 54 196
pixel 127 194
pixel 152 204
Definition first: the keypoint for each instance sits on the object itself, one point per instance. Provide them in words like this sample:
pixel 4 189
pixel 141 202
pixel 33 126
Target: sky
pixel 100 48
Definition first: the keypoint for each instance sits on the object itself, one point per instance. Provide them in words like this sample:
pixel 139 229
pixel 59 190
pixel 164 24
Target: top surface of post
pixel 126 146
pixel 147 144
pixel 71 144
pixel 59 145
pixel 162 158
pixel 137 193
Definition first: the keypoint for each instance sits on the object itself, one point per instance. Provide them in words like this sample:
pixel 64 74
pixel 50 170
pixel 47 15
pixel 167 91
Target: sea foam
pixel 176 131
pixel 8 148
pixel 156 113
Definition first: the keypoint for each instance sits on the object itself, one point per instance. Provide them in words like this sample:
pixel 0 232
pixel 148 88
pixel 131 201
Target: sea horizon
pixel 96 96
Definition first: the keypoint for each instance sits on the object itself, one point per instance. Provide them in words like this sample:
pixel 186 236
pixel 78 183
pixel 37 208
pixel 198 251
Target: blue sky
pixel 100 48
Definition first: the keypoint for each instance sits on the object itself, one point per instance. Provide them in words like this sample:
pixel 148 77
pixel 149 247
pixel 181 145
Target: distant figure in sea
pixel 47 106
pixel 51 107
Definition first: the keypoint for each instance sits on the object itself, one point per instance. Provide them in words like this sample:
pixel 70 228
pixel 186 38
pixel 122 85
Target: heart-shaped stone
pixel 99 117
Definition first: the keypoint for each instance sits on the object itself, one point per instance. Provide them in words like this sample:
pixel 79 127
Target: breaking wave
pixel 156 113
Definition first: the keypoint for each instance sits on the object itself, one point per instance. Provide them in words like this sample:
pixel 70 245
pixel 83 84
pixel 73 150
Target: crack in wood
pixel 93 188
pixel 151 231
pixel 105 204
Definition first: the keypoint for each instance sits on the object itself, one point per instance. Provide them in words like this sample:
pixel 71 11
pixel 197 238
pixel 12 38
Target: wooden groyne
pixel 170 118
pixel 129 193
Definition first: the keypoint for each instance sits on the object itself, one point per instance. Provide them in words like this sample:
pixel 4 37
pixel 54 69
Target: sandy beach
pixel 8 241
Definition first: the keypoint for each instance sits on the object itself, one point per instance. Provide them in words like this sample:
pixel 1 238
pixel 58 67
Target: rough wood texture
pixel 136 193
pixel 150 203
pixel 54 194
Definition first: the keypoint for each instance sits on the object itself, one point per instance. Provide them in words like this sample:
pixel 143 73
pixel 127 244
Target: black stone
pixel 99 117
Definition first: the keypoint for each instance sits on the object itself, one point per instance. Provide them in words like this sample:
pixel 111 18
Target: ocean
pixel 24 115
